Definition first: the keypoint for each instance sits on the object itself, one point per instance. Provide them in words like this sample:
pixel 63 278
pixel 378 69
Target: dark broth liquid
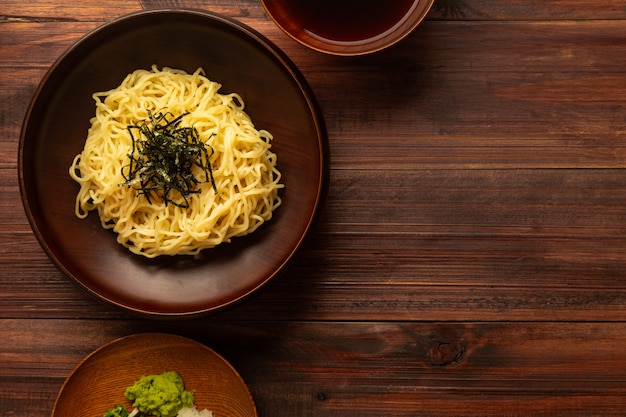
pixel 346 20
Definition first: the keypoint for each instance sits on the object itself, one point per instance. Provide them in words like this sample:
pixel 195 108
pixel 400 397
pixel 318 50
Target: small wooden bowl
pixel 99 381
pixel 347 27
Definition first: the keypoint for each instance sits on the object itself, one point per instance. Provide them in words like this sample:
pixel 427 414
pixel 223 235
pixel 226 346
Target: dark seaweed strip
pixel 162 158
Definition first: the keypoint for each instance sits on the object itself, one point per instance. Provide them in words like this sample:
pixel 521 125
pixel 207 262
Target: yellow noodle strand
pixel 244 167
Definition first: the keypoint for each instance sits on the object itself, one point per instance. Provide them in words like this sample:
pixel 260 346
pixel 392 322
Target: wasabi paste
pixel 160 395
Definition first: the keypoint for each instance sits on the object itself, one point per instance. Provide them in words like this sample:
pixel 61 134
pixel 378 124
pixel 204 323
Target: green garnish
pixel 163 158
pixel 118 411
pixel 161 395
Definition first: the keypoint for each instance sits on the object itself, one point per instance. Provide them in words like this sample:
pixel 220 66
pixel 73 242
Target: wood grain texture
pixel 470 257
pixel 348 368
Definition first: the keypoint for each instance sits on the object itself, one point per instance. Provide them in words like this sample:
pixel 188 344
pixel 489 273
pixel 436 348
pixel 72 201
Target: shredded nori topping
pixel 163 157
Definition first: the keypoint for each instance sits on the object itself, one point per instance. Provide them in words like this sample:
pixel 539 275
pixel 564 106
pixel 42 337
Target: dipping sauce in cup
pixel 347 27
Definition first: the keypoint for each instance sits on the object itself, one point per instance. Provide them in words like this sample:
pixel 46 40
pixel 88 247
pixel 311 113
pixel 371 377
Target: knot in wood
pixel 444 353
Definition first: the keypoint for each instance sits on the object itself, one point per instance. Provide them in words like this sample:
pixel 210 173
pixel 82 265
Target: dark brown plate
pixel 277 99
pixel 99 381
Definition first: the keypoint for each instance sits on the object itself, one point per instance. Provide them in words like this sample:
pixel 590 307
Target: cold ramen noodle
pixel 173 166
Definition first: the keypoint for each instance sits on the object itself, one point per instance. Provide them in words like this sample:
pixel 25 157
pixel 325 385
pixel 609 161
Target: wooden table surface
pixel 470 258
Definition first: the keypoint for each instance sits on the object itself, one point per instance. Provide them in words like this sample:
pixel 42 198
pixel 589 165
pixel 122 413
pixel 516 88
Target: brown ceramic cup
pixel 347 27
